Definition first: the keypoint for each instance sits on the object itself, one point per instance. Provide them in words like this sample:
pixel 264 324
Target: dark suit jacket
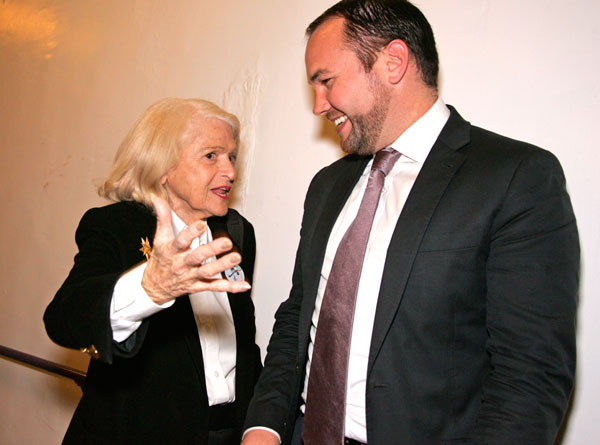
pixel 474 334
pixel 151 388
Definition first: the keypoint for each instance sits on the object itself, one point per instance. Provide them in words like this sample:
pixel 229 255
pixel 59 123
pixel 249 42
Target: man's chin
pixel 353 149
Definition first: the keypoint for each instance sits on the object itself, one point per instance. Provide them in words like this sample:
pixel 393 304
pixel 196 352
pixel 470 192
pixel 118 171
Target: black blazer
pixel 474 334
pixel 151 388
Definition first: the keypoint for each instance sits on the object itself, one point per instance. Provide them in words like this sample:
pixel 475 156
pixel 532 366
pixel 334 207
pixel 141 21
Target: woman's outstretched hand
pixel 174 269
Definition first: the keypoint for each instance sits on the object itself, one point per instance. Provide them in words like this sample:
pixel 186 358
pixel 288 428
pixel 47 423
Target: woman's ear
pixel 396 58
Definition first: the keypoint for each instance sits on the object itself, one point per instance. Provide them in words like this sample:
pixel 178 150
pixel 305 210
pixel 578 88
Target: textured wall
pixel 74 75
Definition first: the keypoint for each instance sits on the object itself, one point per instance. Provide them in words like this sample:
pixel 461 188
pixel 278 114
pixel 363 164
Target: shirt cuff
pixel 130 304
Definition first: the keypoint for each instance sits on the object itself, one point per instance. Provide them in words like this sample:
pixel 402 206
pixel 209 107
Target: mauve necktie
pixel 326 394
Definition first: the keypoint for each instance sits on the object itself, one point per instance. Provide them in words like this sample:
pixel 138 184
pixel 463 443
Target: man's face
pixel 356 101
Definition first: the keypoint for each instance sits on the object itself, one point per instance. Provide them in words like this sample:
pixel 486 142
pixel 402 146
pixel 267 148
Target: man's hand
pixel 260 437
pixel 174 270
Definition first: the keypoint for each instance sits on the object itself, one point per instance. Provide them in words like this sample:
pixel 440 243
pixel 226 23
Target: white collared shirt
pixel 414 145
pixel 130 305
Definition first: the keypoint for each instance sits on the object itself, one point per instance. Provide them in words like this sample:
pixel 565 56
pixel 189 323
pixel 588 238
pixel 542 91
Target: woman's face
pixel 199 184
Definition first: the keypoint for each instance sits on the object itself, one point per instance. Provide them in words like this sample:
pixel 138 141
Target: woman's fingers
pixel 186 236
pixel 173 269
pixel 213 249
pixel 164 228
pixel 211 269
pixel 220 285
pixel 163 283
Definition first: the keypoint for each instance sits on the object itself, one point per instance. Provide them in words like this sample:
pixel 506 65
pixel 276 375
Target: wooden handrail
pixel 43 365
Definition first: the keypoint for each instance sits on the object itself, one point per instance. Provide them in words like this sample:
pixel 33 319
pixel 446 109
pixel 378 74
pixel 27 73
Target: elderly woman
pixel 157 295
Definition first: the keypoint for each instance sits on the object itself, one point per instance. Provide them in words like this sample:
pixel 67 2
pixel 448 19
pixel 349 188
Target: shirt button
pixel 216 373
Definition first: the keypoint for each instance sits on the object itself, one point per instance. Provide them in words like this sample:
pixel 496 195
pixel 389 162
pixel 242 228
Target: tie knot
pixel 385 160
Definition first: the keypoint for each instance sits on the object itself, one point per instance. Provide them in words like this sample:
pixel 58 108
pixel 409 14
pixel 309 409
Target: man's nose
pixel 322 105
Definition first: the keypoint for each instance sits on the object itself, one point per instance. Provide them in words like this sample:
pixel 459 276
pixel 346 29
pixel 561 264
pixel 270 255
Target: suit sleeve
pixel 79 314
pixel 277 392
pixel 274 395
pixel 249 256
pixel 532 283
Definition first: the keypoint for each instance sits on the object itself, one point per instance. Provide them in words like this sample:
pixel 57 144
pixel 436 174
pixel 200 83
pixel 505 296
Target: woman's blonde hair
pixel 153 146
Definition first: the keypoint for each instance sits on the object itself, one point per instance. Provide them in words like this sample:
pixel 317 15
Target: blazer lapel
pixel 332 205
pixel 190 333
pixel 439 168
pixel 239 311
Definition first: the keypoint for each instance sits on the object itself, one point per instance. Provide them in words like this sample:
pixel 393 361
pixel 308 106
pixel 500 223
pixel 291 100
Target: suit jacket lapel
pixel 190 331
pixel 333 203
pixel 239 308
pixel 440 166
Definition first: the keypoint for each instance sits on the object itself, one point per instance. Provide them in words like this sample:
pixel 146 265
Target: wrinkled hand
pixel 174 270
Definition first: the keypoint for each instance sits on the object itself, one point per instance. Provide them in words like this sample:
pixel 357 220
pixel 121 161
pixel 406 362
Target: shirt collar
pixel 416 142
pixel 177 222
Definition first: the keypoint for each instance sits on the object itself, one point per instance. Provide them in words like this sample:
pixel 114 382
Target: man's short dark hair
pixel 371 24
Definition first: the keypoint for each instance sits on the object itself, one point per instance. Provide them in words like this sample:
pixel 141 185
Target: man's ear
pixel 396 58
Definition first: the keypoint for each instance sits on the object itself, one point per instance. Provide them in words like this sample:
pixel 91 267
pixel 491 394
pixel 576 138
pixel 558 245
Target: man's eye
pixel 232 158
pixel 210 155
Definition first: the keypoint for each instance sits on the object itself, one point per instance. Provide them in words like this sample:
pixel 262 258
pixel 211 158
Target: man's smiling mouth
pixel 340 120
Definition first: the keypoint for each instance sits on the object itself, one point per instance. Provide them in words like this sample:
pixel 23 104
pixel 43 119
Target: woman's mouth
pixel 222 192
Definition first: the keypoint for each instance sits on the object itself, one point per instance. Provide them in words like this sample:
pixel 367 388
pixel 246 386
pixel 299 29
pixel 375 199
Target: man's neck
pixel 404 113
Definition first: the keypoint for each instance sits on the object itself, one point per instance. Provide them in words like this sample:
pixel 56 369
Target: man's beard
pixel 367 128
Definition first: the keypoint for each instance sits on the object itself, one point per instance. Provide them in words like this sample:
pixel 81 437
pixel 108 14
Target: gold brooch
pixel 146 249
pixel 91 351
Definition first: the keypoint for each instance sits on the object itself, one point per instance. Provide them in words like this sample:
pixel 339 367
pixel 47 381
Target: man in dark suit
pixel 464 321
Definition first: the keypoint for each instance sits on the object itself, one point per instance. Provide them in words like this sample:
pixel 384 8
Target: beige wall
pixel 74 74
